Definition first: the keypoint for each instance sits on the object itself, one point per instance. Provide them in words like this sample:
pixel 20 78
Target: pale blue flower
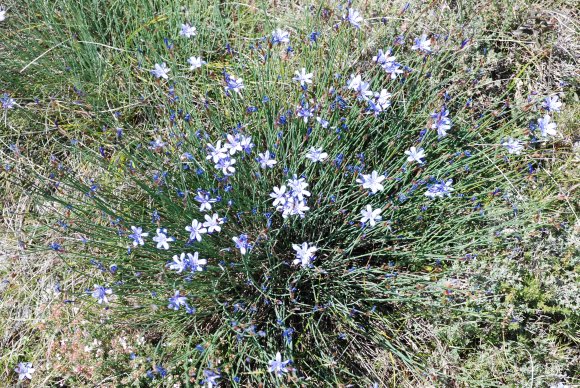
pixel 213 223
pixel 441 122
pixel 179 263
pixel 187 30
pixel 137 235
pixel 234 84
pixel 277 366
pixel 547 128
pixel 161 71
pixel 161 239
pixel 265 159
pixel 372 181
pixel 371 216
pixel 195 63
pixel 316 155
pixel 195 263
pixel 440 189
pixel 196 229
pixel 233 143
pixel 422 44
pixel 176 301
pixel 353 17
pixel 242 243
pixel 100 294
pixel 513 146
pixel 393 68
pixel 217 152
pixel 415 155
pixel 7 102
pixel 383 58
pixel 323 123
pixel 279 195
pixel 24 369
pixel 226 165
pixel 305 112
pixel 210 378
pixel 205 201
pixel 303 77
pixel 280 36
pixel 304 254
pixel 552 104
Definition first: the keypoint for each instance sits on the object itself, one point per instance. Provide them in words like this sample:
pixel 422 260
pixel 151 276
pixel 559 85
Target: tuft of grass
pixel 380 303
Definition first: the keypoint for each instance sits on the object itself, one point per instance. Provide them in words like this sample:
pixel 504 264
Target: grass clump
pixel 285 204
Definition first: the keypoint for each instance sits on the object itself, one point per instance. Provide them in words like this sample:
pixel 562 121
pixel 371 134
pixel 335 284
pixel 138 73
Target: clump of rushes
pixel 292 208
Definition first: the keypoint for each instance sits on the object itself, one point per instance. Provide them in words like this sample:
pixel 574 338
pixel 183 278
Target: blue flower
pixel 552 104
pixel 176 301
pixel 100 294
pixel 210 378
pixel 441 122
pixel 7 102
pixel 242 243
pixel 440 189
pixel 234 84
pixel 280 36
pixel 205 201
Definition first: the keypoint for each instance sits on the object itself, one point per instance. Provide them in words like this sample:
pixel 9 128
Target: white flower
pixel 304 254
pixel 234 144
pixel 279 195
pixel 316 155
pixel 226 165
pixel 370 215
pixel 547 127
pixel 213 223
pixel 298 187
pixel 353 17
pixel 513 146
pixel 161 71
pixel 372 181
pixel 383 99
pixel 415 155
pixel 361 87
pixel 2 18
pixel 303 77
pixel 265 159
pixel 187 31
pixel 195 62
pixel 278 366
pixel 162 240
pixel 196 230
pixel 179 263
pixel 323 123
pixel 217 152
pixel 195 263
